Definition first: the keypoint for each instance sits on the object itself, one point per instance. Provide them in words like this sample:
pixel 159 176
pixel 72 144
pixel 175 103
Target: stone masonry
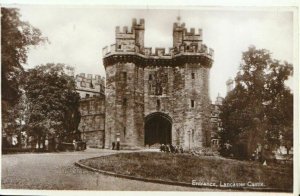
pixel 172 86
pixel 92 108
pixel 216 122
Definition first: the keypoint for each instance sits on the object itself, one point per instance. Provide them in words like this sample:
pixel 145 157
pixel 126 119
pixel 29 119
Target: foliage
pixel 53 103
pixel 259 110
pixel 16 38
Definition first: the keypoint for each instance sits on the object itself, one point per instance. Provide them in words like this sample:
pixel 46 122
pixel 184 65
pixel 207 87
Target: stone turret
pixel 184 40
pixel 131 39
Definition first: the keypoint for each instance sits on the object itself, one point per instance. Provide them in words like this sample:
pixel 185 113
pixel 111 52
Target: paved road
pixel 57 171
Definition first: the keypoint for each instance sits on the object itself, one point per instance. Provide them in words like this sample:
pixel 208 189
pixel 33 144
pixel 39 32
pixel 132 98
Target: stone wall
pixel 94 138
pixel 92 122
pixel 216 122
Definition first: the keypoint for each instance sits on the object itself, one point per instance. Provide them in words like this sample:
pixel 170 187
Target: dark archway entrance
pixel 158 129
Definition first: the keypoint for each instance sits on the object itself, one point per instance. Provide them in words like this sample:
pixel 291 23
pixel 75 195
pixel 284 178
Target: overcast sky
pixel 78 34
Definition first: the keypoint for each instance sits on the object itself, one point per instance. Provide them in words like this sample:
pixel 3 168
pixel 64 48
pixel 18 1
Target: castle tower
pixel 131 39
pixel 178 30
pixel 186 40
pixel 157 98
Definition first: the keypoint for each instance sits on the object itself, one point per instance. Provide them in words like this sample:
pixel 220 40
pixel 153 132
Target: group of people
pixel 171 148
pixel 116 147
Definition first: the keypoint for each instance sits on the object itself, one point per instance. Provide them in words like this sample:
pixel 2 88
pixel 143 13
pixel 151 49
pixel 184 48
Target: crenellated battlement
pixel 124 30
pixel 130 30
pixel 192 32
pixel 91 83
pixel 160 52
pixel 140 24
pixel 130 41
pixel 95 78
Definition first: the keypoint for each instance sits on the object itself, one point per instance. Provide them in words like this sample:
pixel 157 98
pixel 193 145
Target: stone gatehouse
pixel 159 96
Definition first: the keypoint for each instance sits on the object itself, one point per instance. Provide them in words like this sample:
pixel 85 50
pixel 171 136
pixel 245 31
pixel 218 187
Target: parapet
pixel 161 52
pixel 135 25
pixel 90 82
pixel 190 44
pixel 192 32
pixel 125 30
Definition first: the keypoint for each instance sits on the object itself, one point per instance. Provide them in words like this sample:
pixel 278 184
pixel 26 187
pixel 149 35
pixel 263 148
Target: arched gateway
pixel 158 129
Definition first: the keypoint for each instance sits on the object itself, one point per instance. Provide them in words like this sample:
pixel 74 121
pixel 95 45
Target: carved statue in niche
pixel 158 82
pixel 158 86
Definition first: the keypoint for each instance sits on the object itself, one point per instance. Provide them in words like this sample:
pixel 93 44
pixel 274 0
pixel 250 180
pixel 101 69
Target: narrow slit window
pixel 124 101
pixel 192 103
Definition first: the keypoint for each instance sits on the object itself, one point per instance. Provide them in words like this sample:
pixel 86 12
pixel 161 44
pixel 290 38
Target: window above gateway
pixel 193 75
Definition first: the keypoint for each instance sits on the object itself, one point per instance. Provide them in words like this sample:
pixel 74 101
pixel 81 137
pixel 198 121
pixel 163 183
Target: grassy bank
pixel 185 168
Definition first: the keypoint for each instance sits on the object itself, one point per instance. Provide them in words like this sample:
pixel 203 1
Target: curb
pixel 177 183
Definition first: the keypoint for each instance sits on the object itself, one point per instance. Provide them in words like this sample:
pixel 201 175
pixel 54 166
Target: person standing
pixel 118 143
pixel 113 145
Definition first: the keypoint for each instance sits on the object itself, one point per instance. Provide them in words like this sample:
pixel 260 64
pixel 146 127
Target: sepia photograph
pixel 149 98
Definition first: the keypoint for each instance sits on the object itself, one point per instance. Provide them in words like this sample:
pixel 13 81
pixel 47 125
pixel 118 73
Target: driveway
pixel 57 171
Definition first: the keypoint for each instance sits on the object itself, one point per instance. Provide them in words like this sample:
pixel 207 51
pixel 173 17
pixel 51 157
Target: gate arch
pixel 158 129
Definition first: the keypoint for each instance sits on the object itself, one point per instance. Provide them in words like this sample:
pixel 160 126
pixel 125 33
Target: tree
pixel 259 110
pixel 16 38
pixel 53 103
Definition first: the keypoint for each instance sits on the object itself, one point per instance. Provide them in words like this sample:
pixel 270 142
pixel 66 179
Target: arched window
pixel 193 75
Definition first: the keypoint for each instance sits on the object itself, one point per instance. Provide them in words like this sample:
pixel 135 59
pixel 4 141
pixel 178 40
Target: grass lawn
pixel 185 168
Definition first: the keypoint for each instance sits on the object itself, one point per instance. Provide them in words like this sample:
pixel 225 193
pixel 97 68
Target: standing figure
pixel 118 143
pixel 113 145
pixel 162 148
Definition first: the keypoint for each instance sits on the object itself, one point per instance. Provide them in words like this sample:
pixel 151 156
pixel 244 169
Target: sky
pixel 77 34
